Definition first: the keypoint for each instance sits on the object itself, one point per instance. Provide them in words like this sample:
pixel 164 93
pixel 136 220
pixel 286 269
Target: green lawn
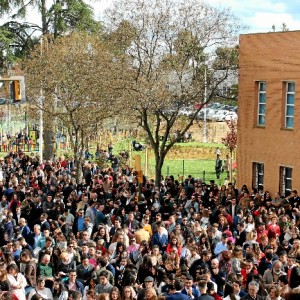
pixel 200 168
pixel 204 169
pixel 199 145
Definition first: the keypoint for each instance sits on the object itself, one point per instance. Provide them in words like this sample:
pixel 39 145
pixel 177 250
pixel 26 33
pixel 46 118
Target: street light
pixel 204 108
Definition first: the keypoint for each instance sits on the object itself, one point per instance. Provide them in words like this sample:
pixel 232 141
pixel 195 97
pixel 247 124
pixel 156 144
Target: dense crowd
pixel 106 238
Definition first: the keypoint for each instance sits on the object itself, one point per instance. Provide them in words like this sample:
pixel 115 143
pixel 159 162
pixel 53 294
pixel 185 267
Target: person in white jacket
pixel 41 290
pixel 17 281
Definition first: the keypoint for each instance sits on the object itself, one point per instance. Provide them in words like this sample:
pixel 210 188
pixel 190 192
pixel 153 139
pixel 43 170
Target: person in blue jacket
pixel 73 284
pixel 160 239
pixel 178 295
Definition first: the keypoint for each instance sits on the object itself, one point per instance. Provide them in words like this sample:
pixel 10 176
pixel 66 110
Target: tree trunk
pixel 159 161
pixel 49 143
pixel 157 175
pixel 79 174
pixel 230 167
pixel 44 17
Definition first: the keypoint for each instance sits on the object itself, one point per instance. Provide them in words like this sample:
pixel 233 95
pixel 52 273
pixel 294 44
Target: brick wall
pixel 274 58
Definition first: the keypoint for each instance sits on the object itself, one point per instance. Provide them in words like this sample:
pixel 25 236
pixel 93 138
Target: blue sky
pixel 258 15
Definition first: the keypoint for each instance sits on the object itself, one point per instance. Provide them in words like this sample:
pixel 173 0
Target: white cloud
pixel 100 7
pixel 260 15
pixel 251 6
pixel 262 22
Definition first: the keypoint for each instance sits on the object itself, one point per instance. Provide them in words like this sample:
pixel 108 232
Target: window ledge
pixel 287 129
pixel 260 126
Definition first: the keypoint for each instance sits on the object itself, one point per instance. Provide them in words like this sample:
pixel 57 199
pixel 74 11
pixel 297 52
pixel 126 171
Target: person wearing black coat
pixel 84 270
pixel 253 288
pixel 295 277
pixel 240 238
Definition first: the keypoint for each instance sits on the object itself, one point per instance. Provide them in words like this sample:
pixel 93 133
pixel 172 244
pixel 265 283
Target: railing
pixel 26 147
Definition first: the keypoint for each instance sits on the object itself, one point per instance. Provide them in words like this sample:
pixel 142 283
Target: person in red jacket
pixel 174 243
pixel 274 227
pixel 248 272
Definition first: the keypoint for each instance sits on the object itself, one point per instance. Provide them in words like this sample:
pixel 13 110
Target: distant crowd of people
pixel 108 237
pixel 20 140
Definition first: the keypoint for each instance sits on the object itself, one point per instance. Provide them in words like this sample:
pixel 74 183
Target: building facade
pixel 268 155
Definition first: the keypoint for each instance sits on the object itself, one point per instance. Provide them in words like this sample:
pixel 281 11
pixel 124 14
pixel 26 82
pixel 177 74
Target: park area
pixel 188 158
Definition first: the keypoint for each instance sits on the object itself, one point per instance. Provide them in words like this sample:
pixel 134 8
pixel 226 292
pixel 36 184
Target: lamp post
pixel 204 108
pixel 41 141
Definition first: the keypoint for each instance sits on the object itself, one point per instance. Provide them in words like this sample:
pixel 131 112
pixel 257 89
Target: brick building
pixel 269 111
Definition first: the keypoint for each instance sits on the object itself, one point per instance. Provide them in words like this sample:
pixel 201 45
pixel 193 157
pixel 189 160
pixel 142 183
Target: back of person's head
pixel 293 295
pixel 228 289
pixel 75 295
pixel 269 256
pixel 210 287
pixel 104 274
pixel 202 284
pixel 8 296
pixel 102 261
pixel 296 275
pixel 178 285
pixel 283 279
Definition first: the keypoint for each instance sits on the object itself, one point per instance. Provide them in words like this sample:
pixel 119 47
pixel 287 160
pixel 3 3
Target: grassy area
pixel 183 166
pixel 200 168
pixel 198 145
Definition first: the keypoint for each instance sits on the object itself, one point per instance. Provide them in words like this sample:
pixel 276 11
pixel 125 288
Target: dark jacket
pixel 161 241
pixel 205 297
pixel 178 296
pixel 25 232
pixel 84 275
pixel 79 285
pixel 247 297
pixel 66 268
pixel 9 229
pixel 44 226
pixel 241 238
pixel 30 273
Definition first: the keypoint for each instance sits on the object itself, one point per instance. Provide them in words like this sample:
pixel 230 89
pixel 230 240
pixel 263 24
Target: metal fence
pixel 198 168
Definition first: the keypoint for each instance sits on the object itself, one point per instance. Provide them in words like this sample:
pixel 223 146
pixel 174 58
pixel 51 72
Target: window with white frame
pixel 289 105
pixel 257 175
pixel 285 183
pixel 262 100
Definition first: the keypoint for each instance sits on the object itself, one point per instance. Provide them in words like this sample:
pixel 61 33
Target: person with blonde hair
pixel 66 264
pixel 127 293
pixel 150 294
pixel 274 293
pixel 295 250
pixel 4 283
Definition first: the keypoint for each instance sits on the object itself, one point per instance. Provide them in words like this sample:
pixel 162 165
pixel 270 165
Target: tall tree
pixel 83 77
pixel 57 17
pixel 172 48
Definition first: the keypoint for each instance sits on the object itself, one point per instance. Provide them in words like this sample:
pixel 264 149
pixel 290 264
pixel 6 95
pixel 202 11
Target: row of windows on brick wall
pixel 285 178
pixel 289 104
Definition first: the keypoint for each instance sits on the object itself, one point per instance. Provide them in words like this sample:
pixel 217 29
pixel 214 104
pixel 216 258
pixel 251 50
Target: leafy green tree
pixel 174 51
pixel 82 75
pixel 58 17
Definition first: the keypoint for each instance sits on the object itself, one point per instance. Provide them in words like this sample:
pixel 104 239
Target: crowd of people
pixel 107 238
